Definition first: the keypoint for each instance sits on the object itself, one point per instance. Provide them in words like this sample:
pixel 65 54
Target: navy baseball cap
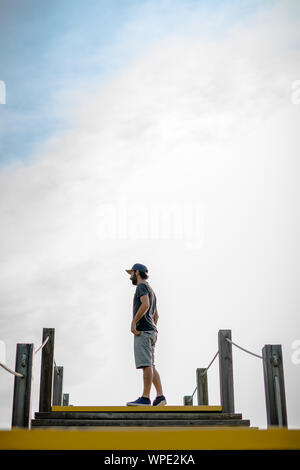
pixel 139 266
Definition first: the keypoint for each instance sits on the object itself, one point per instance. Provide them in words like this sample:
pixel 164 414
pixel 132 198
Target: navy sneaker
pixel 141 401
pixel 161 400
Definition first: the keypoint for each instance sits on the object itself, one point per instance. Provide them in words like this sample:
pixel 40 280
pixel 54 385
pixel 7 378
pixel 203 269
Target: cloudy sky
pixel 162 132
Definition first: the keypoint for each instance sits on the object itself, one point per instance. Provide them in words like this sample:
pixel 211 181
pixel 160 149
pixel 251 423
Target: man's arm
pixel 142 309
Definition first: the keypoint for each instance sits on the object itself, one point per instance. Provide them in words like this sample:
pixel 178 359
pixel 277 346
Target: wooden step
pixel 137 422
pixel 138 416
pixel 149 416
pixel 135 415
pixel 166 408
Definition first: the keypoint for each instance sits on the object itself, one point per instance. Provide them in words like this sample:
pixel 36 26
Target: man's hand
pixel 133 328
pixel 140 313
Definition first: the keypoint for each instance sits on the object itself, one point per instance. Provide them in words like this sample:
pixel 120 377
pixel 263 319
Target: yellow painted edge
pixel 154 438
pixel 137 408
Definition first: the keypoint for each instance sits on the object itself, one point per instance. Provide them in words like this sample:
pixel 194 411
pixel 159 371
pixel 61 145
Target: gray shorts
pixel 144 345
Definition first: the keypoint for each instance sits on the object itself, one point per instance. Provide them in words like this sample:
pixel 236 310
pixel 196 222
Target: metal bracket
pixel 24 362
pixel 275 360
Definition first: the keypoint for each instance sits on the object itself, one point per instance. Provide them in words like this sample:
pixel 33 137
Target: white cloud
pixel 195 120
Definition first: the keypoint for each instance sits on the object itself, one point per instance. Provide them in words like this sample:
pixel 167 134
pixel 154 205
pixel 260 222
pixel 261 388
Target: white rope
pixel 57 371
pixel 17 374
pixel 204 372
pixel 42 345
pixel 249 352
pixel 229 340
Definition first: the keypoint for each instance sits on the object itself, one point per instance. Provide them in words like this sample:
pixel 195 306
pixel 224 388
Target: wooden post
pixel 274 385
pixel 202 389
pixel 46 384
pixel 188 400
pixel 21 415
pixel 66 399
pixel 226 372
pixel 58 386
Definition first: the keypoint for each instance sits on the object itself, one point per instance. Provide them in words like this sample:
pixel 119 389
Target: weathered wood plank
pixel 146 423
pixel 66 398
pixel 130 409
pixel 202 389
pixel 46 382
pixel 21 414
pixel 188 400
pixel 226 371
pixel 142 415
pixel 274 385
pixel 58 386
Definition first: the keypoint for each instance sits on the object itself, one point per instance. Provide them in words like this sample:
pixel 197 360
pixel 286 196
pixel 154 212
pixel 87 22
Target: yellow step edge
pixel 153 438
pixel 137 408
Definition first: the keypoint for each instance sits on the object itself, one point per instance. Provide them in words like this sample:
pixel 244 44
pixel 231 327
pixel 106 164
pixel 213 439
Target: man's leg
pixel 157 382
pixel 147 377
pixel 151 375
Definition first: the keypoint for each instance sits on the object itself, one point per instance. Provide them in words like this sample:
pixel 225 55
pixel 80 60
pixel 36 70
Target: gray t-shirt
pixel 146 323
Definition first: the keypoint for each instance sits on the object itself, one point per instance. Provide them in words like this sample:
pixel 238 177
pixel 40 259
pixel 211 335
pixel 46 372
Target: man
pixel 145 331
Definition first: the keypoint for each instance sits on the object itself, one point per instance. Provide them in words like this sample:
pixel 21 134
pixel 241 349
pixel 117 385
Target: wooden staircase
pixel 143 416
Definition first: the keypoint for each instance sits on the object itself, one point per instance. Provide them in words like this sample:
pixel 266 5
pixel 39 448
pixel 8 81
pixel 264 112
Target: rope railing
pixel 56 369
pixel 272 363
pixel 229 341
pixel 18 374
pixel 42 345
pixel 51 385
pixel 205 371
pixel 272 370
pixel 249 352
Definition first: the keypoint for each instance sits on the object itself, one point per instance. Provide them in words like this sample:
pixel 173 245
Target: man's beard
pixel 134 280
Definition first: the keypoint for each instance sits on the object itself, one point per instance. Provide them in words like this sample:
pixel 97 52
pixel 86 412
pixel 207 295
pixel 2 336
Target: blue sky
pixel 47 48
pixel 191 102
